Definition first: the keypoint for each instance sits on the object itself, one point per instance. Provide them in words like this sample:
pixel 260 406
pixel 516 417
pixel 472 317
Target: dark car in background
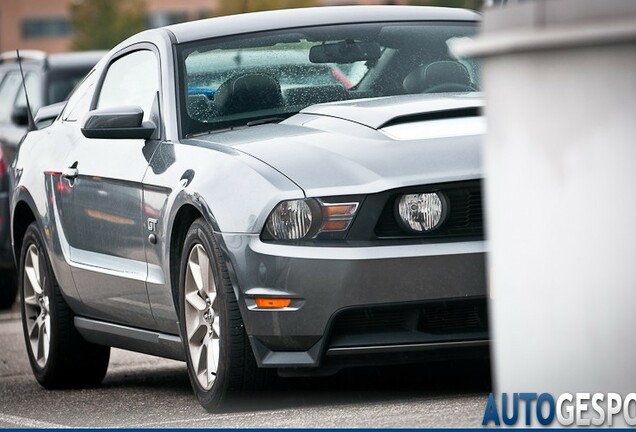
pixel 48 79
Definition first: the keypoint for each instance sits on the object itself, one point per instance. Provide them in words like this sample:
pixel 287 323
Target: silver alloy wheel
pixel 36 306
pixel 202 317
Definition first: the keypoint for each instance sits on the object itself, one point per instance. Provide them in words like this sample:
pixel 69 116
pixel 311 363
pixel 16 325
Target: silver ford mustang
pixel 295 190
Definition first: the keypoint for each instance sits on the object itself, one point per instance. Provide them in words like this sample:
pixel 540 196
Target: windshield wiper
pixel 211 131
pixel 265 121
pixel 248 124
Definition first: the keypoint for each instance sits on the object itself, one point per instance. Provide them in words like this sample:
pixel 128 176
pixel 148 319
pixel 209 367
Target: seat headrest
pixel 199 107
pixel 440 73
pixel 250 92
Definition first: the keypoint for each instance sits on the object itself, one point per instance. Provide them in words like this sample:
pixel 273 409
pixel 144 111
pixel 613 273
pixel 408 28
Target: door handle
pixel 70 173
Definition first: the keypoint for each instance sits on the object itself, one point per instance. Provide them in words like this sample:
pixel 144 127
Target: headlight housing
pixel 290 220
pixel 422 212
pixel 303 219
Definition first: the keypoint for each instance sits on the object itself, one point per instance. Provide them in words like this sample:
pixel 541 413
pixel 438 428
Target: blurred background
pixel 66 25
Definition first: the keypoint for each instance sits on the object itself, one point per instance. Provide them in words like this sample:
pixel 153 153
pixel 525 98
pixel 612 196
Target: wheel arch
pixel 184 217
pixel 23 216
pixel 186 213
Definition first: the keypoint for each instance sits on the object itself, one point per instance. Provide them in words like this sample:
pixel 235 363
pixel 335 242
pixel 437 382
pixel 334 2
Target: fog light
pixel 422 212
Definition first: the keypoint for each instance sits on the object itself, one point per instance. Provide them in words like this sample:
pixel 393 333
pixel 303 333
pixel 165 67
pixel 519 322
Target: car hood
pixel 367 146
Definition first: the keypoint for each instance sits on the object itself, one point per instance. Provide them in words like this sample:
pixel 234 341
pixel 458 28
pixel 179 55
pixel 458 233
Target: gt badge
pixel 152 224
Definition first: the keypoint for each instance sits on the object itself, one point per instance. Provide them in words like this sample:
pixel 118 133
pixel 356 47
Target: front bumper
pixel 327 282
pixel 6 256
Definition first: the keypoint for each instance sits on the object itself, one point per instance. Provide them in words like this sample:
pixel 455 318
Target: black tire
pixel 237 370
pixel 72 362
pixel 8 288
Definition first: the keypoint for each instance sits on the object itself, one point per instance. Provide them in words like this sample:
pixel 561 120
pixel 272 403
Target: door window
pixel 131 80
pixel 80 101
pixel 34 91
pixel 8 92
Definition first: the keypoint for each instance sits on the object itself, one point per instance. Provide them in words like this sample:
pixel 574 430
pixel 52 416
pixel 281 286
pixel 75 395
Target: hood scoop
pixel 392 111
pixel 435 125
pixel 452 113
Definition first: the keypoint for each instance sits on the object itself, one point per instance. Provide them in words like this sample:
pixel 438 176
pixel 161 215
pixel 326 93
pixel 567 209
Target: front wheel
pixel 219 358
pixel 59 356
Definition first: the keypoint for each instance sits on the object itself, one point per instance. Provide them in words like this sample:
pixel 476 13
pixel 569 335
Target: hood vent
pixel 447 124
pixel 434 115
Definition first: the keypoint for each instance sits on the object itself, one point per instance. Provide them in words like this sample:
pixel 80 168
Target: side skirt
pixel 130 338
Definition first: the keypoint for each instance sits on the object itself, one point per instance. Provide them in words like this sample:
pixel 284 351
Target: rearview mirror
pixel 347 51
pixel 125 122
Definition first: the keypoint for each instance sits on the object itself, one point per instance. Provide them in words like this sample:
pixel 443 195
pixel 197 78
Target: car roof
pixel 305 17
pixel 75 59
pixel 67 60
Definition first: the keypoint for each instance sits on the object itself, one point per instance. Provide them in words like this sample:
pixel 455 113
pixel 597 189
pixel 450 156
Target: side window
pixel 131 80
pixel 8 92
pixel 33 86
pixel 80 100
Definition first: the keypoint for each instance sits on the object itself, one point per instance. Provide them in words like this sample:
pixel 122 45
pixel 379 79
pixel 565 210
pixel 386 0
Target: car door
pixel 104 219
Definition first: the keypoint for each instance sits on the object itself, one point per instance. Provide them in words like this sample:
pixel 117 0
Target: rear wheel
pixel 8 287
pixel 219 357
pixel 59 356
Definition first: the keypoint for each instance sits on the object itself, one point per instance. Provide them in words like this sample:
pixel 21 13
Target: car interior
pixel 232 83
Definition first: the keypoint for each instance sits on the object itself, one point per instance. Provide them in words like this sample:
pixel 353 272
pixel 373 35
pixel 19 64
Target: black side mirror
pixel 125 122
pixel 20 116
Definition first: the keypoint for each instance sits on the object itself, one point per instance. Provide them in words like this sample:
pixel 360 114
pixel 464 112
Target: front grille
pixel 465 216
pixel 440 318
pixel 446 318
pixel 370 320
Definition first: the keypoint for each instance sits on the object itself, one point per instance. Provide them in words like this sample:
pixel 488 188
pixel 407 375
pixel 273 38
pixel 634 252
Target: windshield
pixel 245 80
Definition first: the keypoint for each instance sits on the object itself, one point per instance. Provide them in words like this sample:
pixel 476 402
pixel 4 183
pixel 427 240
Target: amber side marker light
pixel 272 303
pixel 335 225
pixel 339 210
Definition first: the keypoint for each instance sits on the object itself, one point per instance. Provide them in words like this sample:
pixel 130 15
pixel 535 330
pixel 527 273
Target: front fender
pixel 232 191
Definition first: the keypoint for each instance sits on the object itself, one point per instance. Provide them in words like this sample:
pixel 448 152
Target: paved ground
pixel 144 391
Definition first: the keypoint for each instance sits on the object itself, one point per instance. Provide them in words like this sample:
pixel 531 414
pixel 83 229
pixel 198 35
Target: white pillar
pixel 560 159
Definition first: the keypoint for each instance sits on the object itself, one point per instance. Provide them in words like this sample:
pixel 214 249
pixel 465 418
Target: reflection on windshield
pixel 235 81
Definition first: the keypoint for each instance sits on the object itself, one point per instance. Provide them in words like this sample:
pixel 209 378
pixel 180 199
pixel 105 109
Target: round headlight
pixel 421 212
pixel 290 220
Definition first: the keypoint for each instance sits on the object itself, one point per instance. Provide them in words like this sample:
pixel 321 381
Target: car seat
pixel 250 92
pixel 438 77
